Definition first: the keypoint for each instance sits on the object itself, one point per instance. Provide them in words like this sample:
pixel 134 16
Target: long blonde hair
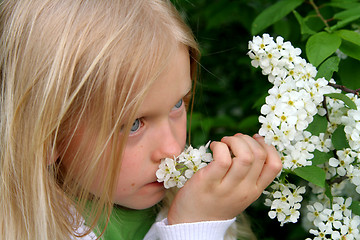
pixel 66 62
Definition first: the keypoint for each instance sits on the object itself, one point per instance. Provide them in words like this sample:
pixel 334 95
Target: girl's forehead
pixel 173 83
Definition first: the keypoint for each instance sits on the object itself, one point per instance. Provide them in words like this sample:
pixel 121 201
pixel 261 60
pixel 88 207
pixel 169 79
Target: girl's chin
pixel 150 195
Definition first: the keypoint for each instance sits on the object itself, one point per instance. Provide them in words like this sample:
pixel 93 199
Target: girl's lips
pixel 156 183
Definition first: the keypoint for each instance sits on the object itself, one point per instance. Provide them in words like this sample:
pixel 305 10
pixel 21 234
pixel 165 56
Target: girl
pixel 93 96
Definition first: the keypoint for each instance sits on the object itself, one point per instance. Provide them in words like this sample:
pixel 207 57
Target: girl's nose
pixel 169 142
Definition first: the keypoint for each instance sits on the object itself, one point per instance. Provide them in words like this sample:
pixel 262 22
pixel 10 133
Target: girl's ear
pixel 52 156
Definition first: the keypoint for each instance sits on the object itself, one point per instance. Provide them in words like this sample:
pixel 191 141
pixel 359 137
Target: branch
pixel 326 109
pixel 336 180
pixel 345 89
pixel 319 14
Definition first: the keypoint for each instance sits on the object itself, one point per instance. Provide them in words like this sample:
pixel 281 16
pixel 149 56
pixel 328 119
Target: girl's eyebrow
pixel 188 90
pixel 186 95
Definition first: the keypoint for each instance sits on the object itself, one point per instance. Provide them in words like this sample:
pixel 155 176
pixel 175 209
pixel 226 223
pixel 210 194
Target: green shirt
pixel 128 224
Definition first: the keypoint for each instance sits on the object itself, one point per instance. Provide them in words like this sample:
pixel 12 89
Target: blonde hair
pixel 65 63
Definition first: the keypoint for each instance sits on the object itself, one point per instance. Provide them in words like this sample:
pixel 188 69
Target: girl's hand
pixel 242 168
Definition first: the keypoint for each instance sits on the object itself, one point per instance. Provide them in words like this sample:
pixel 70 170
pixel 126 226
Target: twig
pixel 336 180
pixel 345 89
pixel 319 14
pixel 327 111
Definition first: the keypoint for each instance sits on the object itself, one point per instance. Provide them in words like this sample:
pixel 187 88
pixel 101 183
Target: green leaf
pixel 321 157
pixel 339 139
pixel 273 14
pixel 348 14
pixel 343 23
pixel 346 17
pixel 355 207
pixel 344 4
pixel 350 49
pixel 348 102
pixel 328 67
pixel 351 36
pixel 318 125
pixel 303 26
pixel 312 174
pixel 316 49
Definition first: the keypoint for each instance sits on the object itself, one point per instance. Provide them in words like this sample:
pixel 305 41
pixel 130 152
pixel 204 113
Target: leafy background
pixel 230 91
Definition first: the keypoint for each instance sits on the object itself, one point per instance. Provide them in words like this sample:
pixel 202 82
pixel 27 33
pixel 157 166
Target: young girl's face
pixel 158 132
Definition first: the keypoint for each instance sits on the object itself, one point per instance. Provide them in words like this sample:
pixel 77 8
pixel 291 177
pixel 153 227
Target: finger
pixel 260 156
pixel 217 169
pixel 272 164
pixel 236 145
pixel 250 160
pixel 242 161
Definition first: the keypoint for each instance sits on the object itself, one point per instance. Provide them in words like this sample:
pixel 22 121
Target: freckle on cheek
pixel 133 184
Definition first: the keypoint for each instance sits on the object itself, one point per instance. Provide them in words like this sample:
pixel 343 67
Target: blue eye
pixel 136 126
pixel 179 104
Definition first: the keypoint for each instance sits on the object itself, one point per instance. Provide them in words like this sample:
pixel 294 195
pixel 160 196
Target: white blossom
pixel 176 171
pixel 284 202
pixel 293 101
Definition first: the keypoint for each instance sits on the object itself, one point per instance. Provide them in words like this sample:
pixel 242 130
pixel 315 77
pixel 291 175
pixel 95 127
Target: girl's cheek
pixel 183 128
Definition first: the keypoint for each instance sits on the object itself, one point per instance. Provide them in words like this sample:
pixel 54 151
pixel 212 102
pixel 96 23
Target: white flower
pixel 322 143
pixel 341 206
pixel 279 210
pixel 261 45
pixel 205 156
pixel 269 123
pixel 315 214
pixel 323 230
pixel 291 57
pixel 350 228
pixel 353 174
pixel 176 171
pixel 272 106
pixel 285 202
pixel 166 170
pixel 333 218
pixel 289 132
pixel 193 166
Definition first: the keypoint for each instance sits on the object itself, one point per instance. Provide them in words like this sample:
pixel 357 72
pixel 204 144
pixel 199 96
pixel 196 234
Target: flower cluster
pixel 334 221
pixel 284 202
pixel 292 102
pixel 343 166
pixel 295 99
pixel 176 171
pixel 352 125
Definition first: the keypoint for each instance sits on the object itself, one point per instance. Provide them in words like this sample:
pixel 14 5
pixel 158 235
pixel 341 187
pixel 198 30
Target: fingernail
pixel 257 136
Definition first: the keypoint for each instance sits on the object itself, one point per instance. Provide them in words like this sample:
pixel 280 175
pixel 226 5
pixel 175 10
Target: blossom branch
pixel 288 110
